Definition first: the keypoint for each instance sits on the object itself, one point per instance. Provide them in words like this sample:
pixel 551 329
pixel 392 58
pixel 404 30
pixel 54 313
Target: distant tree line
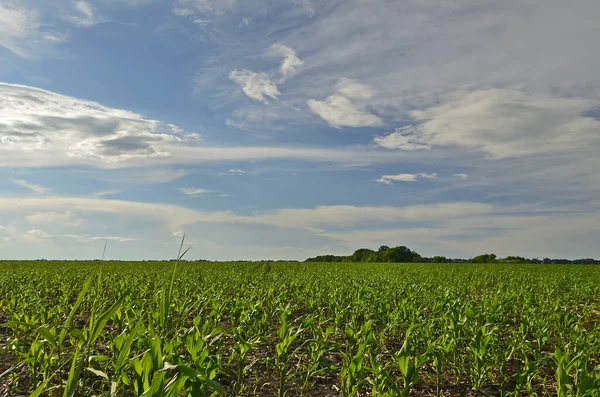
pixel 403 254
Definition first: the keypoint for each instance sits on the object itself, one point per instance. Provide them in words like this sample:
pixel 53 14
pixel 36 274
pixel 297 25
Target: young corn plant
pixel 164 314
pixel 572 377
pixel 54 338
pixel 408 364
pixel 439 352
pixel 478 352
pixel 287 335
pixel 355 358
pixel 241 350
pixel 148 373
pixel 316 364
pixel 380 376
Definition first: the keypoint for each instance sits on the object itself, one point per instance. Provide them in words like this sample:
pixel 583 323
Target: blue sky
pixel 292 128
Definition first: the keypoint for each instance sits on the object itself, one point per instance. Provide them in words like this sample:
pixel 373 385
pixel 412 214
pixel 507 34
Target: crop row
pixel 275 329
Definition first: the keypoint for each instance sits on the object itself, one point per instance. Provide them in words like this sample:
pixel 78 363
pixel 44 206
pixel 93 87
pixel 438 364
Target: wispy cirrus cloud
pixel 235 172
pixel 453 228
pixel 32 186
pixel 85 15
pixel 175 216
pixel 16 26
pixel 23 32
pixel 203 7
pixel 390 179
pixel 260 85
pixel 193 191
pixel 404 138
pixel 37 234
pixel 67 218
pixel 105 193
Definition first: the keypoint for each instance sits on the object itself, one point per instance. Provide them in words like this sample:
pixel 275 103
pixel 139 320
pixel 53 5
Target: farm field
pixel 298 329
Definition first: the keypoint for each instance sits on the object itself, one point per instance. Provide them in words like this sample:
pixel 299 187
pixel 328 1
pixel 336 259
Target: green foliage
pixel 253 329
pixel 486 258
pixel 385 254
pixel 403 254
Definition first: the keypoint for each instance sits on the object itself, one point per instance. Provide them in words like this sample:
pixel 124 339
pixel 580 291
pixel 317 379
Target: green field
pixel 314 329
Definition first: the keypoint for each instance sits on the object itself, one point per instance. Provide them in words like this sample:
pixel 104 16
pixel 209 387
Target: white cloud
pixel 7 233
pixel 390 179
pixel 245 22
pixel 176 216
pixel 66 218
pixel 184 12
pixel 260 86
pixel 531 235
pixel 352 89
pixel 461 176
pixel 411 51
pixel 459 228
pixel 105 193
pixel 62 130
pixel 149 176
pixel 192 7
pixel 10 234
pixel 257 86
pixel 57 126
pixel 339 112
pixel 236 171
pixel 31 186
pixel 508 123
pixel 345 155
pixel 55 37
pixel 85 16
pixel 37 234
pixel 348 215
pixel 172 215
pixel 18 27
pixel 290 63
pixel 306 6
pixel 192 191
pixel 405 138
pixel 338 109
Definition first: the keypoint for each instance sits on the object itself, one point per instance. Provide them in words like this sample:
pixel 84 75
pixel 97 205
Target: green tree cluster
pixel 403 254
pixel 399 254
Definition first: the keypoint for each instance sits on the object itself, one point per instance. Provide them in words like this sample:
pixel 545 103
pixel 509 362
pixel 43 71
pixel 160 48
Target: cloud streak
pixel 192 191
pixel 455 228
pixel 390 179
pixel 23 33
pixel 177 216
pixel 31 186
